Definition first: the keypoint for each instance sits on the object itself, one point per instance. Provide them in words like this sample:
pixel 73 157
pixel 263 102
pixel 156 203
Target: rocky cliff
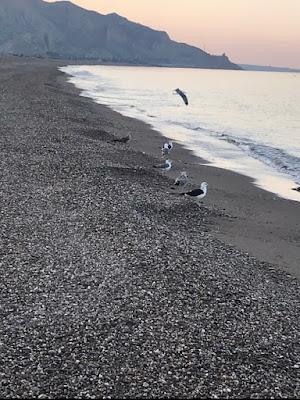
pixel 38 28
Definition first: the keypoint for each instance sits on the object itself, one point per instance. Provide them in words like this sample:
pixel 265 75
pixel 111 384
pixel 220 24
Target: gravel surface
pixel 112 288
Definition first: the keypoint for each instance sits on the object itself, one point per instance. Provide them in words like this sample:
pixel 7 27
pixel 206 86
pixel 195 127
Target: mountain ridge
pixel 65 30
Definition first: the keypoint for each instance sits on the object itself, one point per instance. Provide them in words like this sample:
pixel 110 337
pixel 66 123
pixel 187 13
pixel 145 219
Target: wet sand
pixel 112 287
pixel 259 222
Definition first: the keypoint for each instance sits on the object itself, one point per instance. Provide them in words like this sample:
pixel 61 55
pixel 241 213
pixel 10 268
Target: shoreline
pixel 275 175
pixel 111 287
pixel 261 223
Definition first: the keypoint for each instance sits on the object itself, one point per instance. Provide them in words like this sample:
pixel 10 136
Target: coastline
pixel 113 288
pixel 255 220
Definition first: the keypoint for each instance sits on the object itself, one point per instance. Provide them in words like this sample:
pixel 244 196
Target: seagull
pixel 165 151
pixel 197 194
pixel 124 139
pixel 166 166
pixel 167 147
pixel 182 179
pixel 182 95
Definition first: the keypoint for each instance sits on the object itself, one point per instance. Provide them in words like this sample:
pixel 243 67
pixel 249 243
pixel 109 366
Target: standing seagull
pixel 182 179
pixel 166 166
pixel 167 147
pixel 182 95
pixel 197 194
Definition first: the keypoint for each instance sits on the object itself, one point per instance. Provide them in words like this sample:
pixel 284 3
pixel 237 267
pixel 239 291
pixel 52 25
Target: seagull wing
pixel 183 96
pixel 185 99
pixel 160 166
pixel 195 192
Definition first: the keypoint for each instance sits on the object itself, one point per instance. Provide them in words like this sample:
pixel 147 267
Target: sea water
pixel 244 121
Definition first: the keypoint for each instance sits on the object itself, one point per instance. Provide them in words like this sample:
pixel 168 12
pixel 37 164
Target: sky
pixel 263 32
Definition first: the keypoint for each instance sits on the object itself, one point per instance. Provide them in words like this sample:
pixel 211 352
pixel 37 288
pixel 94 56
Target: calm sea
pixel 248 122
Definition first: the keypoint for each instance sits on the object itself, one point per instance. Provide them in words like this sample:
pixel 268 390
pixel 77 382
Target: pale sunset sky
pixel 264 32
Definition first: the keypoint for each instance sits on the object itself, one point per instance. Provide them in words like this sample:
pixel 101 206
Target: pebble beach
pixel 111 286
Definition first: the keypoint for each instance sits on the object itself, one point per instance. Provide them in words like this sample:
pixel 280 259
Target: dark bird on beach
pixel 297 189
pixel 124 139
pixel 182 95
pixel 182 179
pixel 166 166
pixel 167 147
pixel 197 194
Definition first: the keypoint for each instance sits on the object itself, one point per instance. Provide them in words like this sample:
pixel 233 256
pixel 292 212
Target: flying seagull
pixel 166 166
pixel 167 147
pixel 124 139
pixel 182 95
pixel 197 194
pixel 182 179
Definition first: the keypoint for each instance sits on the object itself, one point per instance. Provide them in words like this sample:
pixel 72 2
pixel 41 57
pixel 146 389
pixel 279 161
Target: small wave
pixel 77 73
pixel 186 125
pixel 272 156
pixel 136 108
pixel 83 74
pixel 195 127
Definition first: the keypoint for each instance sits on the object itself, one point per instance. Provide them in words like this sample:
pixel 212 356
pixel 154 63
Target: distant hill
pixel 64 30
pixel 249 67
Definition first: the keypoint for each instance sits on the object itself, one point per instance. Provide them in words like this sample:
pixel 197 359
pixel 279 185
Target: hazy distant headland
pixel 268 68
pixel 64 30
